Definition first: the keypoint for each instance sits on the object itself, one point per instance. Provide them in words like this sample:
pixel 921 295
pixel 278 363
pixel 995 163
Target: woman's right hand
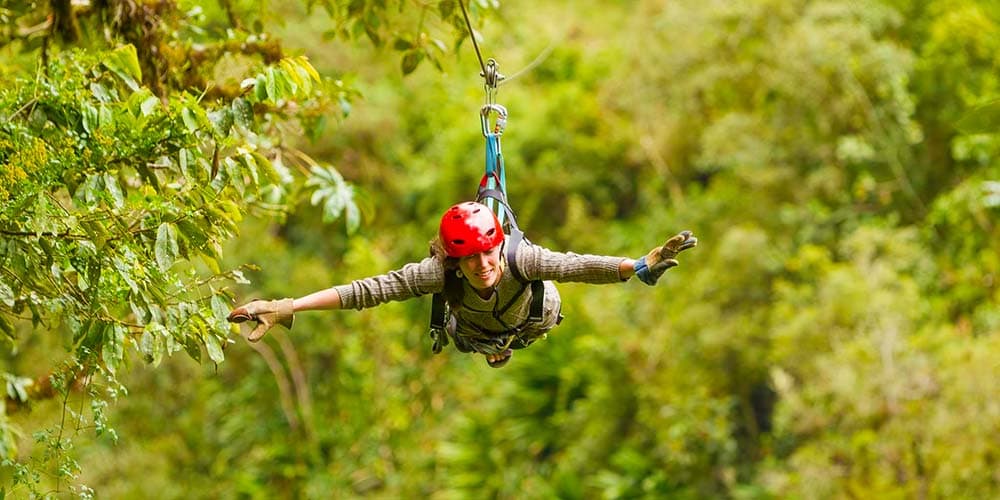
pixel 266 313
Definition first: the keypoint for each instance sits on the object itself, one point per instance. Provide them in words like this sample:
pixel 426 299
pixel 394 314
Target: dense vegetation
pixel 836 334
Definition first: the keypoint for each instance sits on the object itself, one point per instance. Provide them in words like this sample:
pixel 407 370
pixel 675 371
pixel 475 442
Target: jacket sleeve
pixel 539 263
pixel 412 280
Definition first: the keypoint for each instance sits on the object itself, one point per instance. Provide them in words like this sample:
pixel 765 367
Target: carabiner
pixel 484 117
pixel 492 74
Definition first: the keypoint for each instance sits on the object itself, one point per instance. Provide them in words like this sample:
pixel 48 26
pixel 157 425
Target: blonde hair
pixel 453 289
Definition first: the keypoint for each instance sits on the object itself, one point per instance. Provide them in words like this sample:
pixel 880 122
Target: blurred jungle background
pixel 836 333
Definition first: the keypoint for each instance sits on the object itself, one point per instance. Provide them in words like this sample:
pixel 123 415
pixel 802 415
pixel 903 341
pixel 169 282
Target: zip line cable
pixel 475 44
pixel 489 67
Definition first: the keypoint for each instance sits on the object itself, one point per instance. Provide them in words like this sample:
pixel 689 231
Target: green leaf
pixel 190 120
pixel 147 344
pixel 446 8
pixel 267 167
pixel 220 308
pixel 402 44
pixel 260 88
pixel 124 62
pixel 112 187
pixel 291 76
pixel 183 161
pixel 100 93
pixel 984 119
pixel 212 263
pixel 271 83
pixel 149 105
pixel 214 348
pixel 166 246
pixel 90 117
pixel 232 169
pixel 410 61
pixel 222 120
pixel 333 207
pixel 242 113
pixel 352 217
pixel 141 313
pixel 6 295
pixel 112 348
pixel 192 348
pixel 303 62
pixel 157 342
pixel 17 387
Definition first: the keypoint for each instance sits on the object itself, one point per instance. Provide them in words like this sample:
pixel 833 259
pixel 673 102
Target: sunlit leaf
pixel 190 120
pixel 112 346
pixel 124 62
pixel 166 246
pixel 303 62
pixel 90 117
pixel 150 105
pixel 352 217
pixel 242 113
pixel 271 84
pixel 291 75
pixel 100 93
pixel 117 197
pixel 222 120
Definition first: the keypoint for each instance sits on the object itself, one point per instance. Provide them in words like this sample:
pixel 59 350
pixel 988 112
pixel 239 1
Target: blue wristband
pixel 642 272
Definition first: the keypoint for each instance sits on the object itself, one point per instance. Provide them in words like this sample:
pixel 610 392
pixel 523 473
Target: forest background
pixel 836 333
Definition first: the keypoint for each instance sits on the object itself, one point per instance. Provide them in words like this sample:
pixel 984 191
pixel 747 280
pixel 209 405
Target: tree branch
pixel 284 387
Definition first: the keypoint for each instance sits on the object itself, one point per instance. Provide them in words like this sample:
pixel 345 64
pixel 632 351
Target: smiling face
pixel 482 269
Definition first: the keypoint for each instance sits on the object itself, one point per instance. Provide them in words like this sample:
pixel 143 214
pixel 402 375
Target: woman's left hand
pixel 650 267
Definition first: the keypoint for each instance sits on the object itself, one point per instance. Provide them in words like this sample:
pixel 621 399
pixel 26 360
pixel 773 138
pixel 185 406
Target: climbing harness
pixel 492 192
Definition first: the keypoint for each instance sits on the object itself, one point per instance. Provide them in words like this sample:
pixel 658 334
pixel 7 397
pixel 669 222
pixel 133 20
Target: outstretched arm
pixel 540 263
pixel 268 313
pixel 411 280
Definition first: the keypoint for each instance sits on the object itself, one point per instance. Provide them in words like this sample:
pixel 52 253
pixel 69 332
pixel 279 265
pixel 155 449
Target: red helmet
pixel 469 228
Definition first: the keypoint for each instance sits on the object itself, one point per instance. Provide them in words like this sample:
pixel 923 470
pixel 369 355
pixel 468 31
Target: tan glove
pixel 266 313
pixel 651 266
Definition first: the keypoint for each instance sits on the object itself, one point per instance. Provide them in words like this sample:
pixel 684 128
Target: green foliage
pixel 120 188
pixel 115 197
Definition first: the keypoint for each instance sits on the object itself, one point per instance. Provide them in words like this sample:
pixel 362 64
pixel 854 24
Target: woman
pixel 490 306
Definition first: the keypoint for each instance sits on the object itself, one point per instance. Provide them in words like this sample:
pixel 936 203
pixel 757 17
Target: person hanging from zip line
pixel 498 299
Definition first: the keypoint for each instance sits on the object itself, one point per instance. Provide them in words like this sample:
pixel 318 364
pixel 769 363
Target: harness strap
pixel 514 241
pixel 535 313
pixel 484 194
pixel 439 313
